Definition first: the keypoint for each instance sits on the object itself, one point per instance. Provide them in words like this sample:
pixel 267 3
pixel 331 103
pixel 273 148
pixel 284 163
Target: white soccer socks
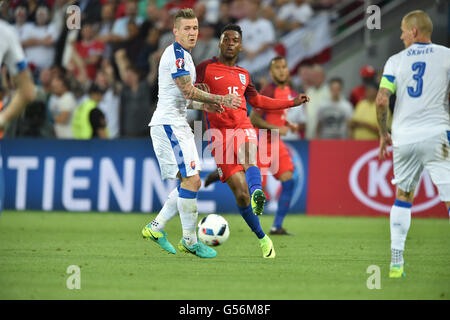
pixel 400 221
pixel 168 211
pixel 187 207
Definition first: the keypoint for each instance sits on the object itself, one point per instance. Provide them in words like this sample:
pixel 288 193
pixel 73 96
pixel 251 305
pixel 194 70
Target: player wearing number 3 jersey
pixel 233 139
pixel 419 76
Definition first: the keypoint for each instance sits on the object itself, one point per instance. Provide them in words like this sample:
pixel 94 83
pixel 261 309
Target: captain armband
pixel 388 83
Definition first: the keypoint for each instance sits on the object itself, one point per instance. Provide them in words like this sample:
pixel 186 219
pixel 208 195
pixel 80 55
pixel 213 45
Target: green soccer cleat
pixel 267 247
pixel 396 271
pixel 158 237
pixel 199 249
pixel 258 201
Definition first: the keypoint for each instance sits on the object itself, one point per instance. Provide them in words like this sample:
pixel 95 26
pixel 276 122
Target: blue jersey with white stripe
pixel 172 105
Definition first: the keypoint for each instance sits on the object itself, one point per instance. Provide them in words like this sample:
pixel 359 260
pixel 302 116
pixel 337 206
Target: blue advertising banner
pixel 114 175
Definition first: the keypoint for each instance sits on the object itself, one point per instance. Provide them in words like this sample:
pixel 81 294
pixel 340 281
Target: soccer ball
pixel 213 230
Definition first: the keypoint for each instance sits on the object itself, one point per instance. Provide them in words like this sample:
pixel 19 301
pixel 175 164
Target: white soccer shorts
pixel 175 150
pixel 432 154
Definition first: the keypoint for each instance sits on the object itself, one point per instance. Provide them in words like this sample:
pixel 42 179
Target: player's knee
pixel 242 198
pixel 197 182
pixel 286 176
pixel 192 183
pixel 407 196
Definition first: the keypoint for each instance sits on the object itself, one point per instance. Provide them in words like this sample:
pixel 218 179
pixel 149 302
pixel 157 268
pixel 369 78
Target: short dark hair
pixel 22 4
pixel 276 59
pixel 95 88
pixel 371 84
pixel 233 27
pixel 65 81
pixel 338 80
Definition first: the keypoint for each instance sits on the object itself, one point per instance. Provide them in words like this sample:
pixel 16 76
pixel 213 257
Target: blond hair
pixel 186 13
pixel 420 20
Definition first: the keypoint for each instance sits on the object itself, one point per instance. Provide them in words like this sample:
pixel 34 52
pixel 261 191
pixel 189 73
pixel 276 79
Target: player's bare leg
pixel 400 221
pixel 239 187
pixel 287 188
pixel 212 177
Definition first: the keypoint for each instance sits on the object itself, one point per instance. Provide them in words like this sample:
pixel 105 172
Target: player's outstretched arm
pixel 382 102
pixel 184 83
pixel 24 94
pixel 300 99
pixel 263 102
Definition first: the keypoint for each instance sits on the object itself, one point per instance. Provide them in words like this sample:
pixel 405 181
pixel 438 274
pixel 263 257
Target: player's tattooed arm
pixel 382 102
pixel 184 83
pixel 208 107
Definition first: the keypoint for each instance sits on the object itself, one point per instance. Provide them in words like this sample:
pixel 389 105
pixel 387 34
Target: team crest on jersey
pixel 193 165
pixel 243 78
pixel 180 63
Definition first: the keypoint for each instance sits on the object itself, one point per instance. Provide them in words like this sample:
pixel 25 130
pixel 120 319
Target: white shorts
pixel 176 151
pixel 432 154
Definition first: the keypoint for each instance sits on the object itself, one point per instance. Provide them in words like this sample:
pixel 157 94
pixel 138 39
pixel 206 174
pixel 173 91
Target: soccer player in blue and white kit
pixel 172 137
pixel 419 76
pixel 11 53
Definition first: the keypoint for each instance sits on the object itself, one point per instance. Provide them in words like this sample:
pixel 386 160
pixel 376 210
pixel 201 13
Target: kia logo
pixel 379 186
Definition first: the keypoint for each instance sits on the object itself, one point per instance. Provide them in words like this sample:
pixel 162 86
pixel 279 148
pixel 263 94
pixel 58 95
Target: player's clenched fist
pixel 301 98
pixel 231 101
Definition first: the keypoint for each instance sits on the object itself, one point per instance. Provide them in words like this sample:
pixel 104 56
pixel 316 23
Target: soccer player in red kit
pixel 232 136
pixel 283 168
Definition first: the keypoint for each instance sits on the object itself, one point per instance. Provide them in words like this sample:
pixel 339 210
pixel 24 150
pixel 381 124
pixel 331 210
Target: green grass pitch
pixel 326 259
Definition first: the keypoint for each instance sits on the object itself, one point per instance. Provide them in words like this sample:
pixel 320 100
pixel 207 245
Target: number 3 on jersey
pixel 417 91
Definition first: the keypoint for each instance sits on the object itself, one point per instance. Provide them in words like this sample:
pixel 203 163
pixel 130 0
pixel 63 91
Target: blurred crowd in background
pixel 111 64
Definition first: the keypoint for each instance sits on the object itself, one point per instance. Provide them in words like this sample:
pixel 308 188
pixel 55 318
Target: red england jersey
pixel 223 80
pixel 276 117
